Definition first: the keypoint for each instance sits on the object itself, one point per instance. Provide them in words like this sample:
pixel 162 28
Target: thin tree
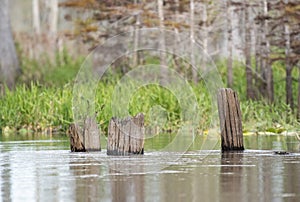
pixel 192 38
pixel 176 63
pixel 267 72
pixel 136 37
pixel 229 44
pixel 205 33
pixel 51 24
pixel 9 64
pixel 298 116
pixel 288 65
pixel 247 52
pixel 52 6
pixel 162 44
pixel 36 17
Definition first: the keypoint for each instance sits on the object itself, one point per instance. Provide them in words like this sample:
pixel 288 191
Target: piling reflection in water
pixel 126 187
pixel 231 175
pixel 87 184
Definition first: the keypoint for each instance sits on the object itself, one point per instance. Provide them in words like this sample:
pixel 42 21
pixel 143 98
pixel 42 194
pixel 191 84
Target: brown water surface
pixel 42 169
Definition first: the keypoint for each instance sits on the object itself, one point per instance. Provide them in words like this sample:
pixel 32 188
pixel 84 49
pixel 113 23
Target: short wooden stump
pixel 126 136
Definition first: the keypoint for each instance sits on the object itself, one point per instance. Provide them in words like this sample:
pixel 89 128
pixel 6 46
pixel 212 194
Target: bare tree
pixel 298 116
pixel 9 65
pixel 176 64
pixel 266 68
pixel 205 33
pixel 192 36
pixel 288 66
pixel 136 37
pixel 163 60
pixel 52 19
pixel 229 44
pixel 36 17
pixel 51 25
pixel 247 52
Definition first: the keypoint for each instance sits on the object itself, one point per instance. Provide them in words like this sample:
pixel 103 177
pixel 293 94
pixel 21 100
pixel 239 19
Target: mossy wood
pixel 230 120
pixel 85 139
pixel 126 136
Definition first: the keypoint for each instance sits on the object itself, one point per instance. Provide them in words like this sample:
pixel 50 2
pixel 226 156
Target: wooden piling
pixel 126 136
pixel 86 138
pixel 230 120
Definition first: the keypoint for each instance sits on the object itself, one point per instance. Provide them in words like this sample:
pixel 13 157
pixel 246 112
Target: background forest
pixel 254 44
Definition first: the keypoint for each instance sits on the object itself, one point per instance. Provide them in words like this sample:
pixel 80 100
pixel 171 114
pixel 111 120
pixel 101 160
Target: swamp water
pixel 40 168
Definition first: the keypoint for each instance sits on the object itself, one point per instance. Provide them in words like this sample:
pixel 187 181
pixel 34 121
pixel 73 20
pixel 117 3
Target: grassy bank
pixel 38 108
pixel 46 103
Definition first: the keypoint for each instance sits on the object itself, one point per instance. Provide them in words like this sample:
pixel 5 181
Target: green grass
pixel 38 107
pixel 46 101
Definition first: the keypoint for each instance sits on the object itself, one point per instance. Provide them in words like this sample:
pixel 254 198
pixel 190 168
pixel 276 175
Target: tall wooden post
pixel 126 136
pixel 230 120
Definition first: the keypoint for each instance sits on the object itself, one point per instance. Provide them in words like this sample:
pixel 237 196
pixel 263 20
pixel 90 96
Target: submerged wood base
pixel 230 120
pixel 76 138
pixel 86 138
pixel 126 136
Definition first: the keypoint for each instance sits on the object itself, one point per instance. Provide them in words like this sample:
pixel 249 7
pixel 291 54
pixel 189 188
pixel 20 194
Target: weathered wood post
pixel 86 138
pixel 230 120
pixel 126 136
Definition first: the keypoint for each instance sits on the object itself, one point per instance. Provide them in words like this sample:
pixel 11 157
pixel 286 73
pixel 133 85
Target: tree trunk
pixel 192 38
pixel 258 58
pixel 136 41
pixel 247 52
pixel 9 64
pixel 205 36
pixel 298 116
pixel 163 60
pixel 229 45
pixel 268 68
pixel 288 66
pixel 177 65
pixel 36 17
pixel 260 76
pixel 52 20
pixel 289 85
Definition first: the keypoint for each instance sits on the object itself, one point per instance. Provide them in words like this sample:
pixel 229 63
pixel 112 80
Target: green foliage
pixel 148 98
pixel 46 102
pixel 36 107
pixel 261 116
pixel 48 72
